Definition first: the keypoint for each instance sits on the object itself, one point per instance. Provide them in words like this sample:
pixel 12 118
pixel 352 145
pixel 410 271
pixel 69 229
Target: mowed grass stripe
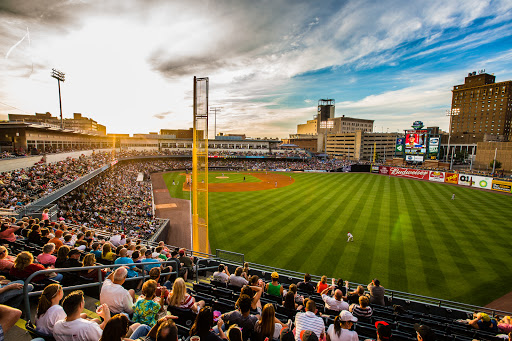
pixel 396 260
pixel 434 279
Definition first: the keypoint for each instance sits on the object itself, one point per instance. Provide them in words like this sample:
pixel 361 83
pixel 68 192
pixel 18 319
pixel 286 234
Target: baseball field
pixel 407 233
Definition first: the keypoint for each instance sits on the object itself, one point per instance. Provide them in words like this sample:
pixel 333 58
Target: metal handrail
pixel 97 283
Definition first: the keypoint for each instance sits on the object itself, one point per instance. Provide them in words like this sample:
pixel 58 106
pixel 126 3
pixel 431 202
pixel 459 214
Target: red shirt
pixel 321 287
pixel 30 269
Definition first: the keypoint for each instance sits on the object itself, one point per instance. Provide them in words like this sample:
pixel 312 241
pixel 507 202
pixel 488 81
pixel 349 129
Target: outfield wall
pixel 470 180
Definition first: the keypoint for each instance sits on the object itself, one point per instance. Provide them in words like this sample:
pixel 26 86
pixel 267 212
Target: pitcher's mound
pixel 222 177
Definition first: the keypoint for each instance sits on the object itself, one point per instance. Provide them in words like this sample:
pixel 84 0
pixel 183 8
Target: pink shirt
pixel 46 259
pixel 8 234
pixel 7 263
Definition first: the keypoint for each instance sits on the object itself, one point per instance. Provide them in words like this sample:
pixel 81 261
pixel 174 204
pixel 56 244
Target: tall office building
pixel 483 108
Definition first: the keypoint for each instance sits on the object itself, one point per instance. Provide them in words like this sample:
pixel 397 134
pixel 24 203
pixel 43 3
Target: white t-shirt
pixel 77 330
pixel 116 297
pixel 345 334
pixel 45 322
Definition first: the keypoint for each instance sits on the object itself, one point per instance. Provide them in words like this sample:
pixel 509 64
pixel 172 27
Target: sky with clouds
pixel 130 64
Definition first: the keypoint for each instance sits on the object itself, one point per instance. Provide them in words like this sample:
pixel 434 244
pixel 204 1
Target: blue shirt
pixel 126 260
pixel 97 254
pixel 149 267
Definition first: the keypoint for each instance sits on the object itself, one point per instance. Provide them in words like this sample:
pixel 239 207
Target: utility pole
pixel 215 110
pixel 60 77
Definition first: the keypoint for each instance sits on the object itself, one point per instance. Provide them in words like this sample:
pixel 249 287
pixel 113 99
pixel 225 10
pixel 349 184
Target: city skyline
pixel 129 64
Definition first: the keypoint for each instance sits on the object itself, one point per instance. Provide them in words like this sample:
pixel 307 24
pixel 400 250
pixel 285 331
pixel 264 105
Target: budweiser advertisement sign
pixel 409 173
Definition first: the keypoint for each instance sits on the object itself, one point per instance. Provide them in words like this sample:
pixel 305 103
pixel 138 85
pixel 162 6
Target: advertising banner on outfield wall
pixel 436 176
pixel 502 186
pixel 451 178
pixel 409 173
pixel 482 182
pixel 466 180
pixel 375 169
pixel 384 170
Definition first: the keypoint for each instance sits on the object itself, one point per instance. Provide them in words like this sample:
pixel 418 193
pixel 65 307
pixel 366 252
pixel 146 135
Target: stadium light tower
pixel 60 77
pixel 451 113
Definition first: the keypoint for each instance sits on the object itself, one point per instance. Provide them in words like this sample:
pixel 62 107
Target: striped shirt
pixel 357 311
pixel 308 321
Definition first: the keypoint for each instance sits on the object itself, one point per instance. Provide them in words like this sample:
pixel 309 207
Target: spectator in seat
pixel 24 266
pixel 484 322
pixel 322 284
pixel 118 299
pixel 6 261
pixel 62 256
pixel 363 310
pixel 187 265
pixel 96 250
pixel 505 324
pixel 336 302
pixel 154 274
pixel 203 324
pixel 222 274
pixel 7 232
pixel 424 333
pixel 148 306
pixel 340 329
pixel 45 233
pixel 106 253
pixel 46 258
pixel 35 235
pixel 237 279
pixel 123 259
pixel 8 318
pixel 245 272
pixel 353 297
pixel 118 328
pixel 289 302
pixel 376 292
pixel 234 333
pixel 48 309
pixel 254 292
pixel 343 286
pixel 74 326
pixel 306 285
pixel 268 326
pixel 242 317
pixel 73 260
pixel 90 260
pixel 181 299
pixel 309 321
pixel 56 240
pixel 274 288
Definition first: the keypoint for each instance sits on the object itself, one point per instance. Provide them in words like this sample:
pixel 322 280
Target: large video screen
pixel 416 142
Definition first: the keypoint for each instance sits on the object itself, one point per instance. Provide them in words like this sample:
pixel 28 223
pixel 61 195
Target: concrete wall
pixel 8 165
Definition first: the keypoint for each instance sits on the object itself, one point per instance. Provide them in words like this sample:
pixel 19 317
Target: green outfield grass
pixel 407 233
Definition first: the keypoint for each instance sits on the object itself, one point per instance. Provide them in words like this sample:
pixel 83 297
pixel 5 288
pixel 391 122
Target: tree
pixel 497 166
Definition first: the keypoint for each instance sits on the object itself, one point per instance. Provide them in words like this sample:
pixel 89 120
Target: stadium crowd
pixel 22 186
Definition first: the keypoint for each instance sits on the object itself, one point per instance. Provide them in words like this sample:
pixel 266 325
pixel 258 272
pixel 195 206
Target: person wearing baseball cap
pixel 340 329
pixel 424 333
pixel 274 288
pixel 383 331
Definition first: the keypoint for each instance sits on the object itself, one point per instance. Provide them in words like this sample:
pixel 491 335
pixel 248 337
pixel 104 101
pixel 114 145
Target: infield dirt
pixel 268 181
